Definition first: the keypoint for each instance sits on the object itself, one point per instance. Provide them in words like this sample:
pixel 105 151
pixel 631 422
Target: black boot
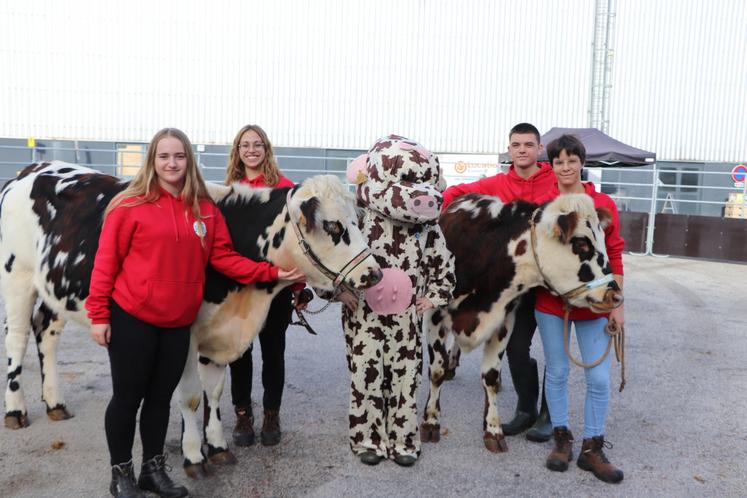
pixel 541 431
pixel 123 482
pixel 153 477
pixel 526 384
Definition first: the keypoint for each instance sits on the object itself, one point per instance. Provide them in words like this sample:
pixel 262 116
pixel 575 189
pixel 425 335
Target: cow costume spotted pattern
pixel 399 186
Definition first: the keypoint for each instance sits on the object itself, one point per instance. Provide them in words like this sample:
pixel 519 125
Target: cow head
pixel 400 179
pixel 324 213
pixel 572 254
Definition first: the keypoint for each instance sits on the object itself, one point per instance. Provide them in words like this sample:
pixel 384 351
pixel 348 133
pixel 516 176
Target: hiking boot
pixel 562 453
pixel 153 477
pixel 123 483
pixel 526 384
pixel 270 434
pixel 243 432
pixel 592 458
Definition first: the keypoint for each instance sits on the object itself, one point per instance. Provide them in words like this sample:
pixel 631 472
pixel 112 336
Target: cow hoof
pixel 430 433
pixel 495 443
pixel 196 471
pixel 16 420
pixel 224 457
pixel 59 413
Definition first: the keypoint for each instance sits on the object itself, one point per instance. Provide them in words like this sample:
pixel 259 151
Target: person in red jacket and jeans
pixel 146 288
pixel 568 154
pixel 252 162
pixel 529 181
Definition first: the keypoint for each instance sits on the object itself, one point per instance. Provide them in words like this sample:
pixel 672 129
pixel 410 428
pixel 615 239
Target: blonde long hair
pixel 145 183
pixel 235 170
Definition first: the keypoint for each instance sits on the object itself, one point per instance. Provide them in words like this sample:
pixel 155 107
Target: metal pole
pixel 652 213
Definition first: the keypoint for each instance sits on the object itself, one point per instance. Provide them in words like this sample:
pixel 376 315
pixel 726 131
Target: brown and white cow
pixel 495 263
pixel 50 220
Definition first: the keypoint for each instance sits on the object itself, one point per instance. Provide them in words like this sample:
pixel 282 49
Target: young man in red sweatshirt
pixel 529 181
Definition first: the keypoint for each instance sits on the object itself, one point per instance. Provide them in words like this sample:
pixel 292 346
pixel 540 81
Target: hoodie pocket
pixel 173 302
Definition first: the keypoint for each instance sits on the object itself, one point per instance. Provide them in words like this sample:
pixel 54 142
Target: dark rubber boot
pixel 541 431
pixel 153 477
pixel 123 482
pixel 526 384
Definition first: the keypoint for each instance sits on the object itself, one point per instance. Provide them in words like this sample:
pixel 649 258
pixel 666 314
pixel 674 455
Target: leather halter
pixel 336 277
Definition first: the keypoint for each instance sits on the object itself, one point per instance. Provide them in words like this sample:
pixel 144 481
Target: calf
pixel 50 220
pixel 501 251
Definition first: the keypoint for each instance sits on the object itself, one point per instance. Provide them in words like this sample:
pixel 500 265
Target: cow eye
pixel 580 246
pixel 333 228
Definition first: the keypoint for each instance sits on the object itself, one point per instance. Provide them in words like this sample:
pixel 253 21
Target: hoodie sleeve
pixel 227 261
pixel 114 242
pixel 612 238
pixel 485 186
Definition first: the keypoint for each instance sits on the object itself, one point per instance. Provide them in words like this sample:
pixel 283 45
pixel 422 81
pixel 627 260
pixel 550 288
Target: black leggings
pixel 147 363
pixel 272 342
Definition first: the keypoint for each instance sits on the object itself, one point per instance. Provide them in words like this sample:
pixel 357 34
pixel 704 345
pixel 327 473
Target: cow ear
pixel 605 217
pixel 309 208
pixel 565 226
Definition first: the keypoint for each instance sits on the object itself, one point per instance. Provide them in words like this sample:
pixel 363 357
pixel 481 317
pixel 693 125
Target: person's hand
pixel 618 315
pixel 349 299
pixel 423 304
pixel 101 333
pixel 293 275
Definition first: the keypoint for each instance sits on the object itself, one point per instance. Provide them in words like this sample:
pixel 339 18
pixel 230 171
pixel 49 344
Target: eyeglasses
pixel 255 145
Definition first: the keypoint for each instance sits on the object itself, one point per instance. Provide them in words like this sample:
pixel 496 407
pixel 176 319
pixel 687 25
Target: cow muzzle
pixel 613 298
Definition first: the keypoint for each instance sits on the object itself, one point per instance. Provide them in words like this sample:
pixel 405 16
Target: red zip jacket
pixel 259 182
pixel 151 262
pixel 546 302
pixel 509 186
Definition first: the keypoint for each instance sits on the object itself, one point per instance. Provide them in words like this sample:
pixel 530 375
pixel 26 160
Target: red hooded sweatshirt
pixel 509 186
pixel 546 302
pixel 151 261
pixel 259 182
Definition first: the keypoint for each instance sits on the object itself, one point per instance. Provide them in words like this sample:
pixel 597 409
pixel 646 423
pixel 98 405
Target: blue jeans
pixel 592 342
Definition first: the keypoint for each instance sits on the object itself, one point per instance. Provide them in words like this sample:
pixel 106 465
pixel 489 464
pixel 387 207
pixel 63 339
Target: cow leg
pixel 19 295
pixel 491 377
pixel 48 327
pixel 213 378
pixel 188 394
pixel 438 358
pixel 454 354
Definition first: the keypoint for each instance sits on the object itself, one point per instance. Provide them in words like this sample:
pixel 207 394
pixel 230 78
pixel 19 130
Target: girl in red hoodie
pixel 252 162
pixel 158 236
pixel 567 155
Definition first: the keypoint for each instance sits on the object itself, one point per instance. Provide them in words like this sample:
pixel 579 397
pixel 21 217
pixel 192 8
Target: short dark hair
pixel 568 143
pixel 524 128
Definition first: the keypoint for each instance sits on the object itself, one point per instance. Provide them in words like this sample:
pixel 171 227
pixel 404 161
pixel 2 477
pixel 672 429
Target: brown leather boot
pixel 270 434
pixel 592 458
pixel 243 432
pixel 562 453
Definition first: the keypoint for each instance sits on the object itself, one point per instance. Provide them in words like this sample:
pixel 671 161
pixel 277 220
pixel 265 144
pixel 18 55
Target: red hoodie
pixel 151 262
pixel 509 186
pixel 546 302
pixel 259 182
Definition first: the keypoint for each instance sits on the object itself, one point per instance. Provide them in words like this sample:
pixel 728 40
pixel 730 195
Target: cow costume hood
pixel 400 179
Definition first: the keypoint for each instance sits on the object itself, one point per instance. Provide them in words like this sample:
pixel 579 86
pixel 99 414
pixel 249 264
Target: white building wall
pixel 680 78
pixel 333 73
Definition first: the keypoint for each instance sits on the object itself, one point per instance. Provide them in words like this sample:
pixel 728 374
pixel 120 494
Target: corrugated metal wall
pixel 339 73
pixel 680 78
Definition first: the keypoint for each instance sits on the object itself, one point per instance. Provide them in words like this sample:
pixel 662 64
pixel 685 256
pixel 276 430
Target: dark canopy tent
pixel 601 149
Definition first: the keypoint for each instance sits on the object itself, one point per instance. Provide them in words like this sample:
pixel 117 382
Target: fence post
pixel 652 213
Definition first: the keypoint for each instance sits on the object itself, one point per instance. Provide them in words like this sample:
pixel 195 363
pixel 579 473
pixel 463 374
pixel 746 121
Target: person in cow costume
pixel 399 185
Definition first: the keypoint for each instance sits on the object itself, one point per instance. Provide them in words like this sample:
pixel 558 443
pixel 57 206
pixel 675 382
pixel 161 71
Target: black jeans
pixel 521 337
pixel 147 363
pixel 272 343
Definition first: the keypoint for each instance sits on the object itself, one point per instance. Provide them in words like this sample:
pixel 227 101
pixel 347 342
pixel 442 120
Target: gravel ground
pixel 678 428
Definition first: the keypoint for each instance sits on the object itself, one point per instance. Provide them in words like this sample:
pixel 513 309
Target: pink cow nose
pixel 424 205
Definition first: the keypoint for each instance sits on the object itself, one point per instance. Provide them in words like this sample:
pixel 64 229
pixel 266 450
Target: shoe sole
pixel 243 440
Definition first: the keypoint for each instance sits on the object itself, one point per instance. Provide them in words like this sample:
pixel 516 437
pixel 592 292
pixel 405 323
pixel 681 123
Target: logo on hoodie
pixel 200 228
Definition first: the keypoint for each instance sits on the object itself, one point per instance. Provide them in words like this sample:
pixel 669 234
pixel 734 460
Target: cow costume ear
pixel 309 208
pixel 356 173
pixel 605 217
pixel 565 226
